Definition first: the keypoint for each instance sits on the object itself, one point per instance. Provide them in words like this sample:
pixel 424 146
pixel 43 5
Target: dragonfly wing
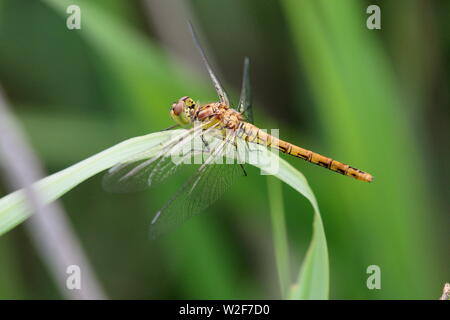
pixel 136 175
pixel 245 101
pixel 219 89
pixel 204 187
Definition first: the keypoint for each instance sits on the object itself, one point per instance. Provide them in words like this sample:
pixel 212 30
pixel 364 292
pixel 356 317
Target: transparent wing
pixel 138 175
pixel 145 171
pixel 206 185
pixel 219 89
pixel 245 101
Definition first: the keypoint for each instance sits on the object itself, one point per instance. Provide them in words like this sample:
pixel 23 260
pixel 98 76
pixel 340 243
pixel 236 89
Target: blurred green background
pixel 376 99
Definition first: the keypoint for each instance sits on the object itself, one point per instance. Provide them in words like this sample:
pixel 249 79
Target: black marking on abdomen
pixel 360 171
pixel 324 164
pixel 300 155
pixel 288 151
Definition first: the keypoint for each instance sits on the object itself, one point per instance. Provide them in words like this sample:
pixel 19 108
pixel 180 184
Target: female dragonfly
pixel 212 177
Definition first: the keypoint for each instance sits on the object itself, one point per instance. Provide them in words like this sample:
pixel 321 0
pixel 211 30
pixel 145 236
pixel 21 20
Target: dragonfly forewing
pixel 219 89
pixel 205 186
pixel 245 101
pixel 142 171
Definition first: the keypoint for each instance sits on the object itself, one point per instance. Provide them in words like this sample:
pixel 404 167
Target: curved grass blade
pixel 14 208
pixel 279 233
pixel 313 280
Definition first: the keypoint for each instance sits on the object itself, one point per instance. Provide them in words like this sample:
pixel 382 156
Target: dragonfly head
pixel 181 110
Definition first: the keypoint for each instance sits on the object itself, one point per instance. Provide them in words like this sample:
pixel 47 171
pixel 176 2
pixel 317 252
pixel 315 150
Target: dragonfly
pixel 212 178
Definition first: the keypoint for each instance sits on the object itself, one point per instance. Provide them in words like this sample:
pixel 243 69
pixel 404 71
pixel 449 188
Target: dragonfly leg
pixel 243 169
pixel 205 143
pixel 171 127
pixel 237 155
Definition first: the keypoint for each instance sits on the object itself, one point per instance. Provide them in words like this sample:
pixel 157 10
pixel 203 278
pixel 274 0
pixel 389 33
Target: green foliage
pixel 365 120
pixel 313 280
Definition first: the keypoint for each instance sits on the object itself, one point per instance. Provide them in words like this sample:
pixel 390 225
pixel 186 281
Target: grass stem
pixel 279 233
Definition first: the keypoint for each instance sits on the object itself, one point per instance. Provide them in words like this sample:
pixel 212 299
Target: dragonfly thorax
pixel 218 112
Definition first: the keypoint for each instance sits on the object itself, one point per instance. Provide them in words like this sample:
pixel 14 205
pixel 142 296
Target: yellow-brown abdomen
pixel 253 134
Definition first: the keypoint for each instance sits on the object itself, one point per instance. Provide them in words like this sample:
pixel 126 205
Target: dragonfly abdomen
pixel 253 134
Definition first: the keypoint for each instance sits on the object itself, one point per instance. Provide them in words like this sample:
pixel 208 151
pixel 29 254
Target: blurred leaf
pixel 11 284
pixel 140 80
pixel 366 120
pixel 61 149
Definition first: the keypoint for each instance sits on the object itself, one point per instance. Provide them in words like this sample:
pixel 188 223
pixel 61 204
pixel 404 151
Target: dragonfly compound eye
pixel 178 108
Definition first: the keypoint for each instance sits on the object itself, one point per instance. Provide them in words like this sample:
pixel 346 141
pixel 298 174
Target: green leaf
pixel 313 281
pixel 279 233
